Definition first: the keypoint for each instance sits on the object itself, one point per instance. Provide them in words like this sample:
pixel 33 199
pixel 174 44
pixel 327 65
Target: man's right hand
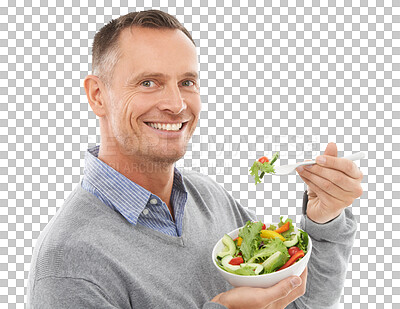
pixel 275 297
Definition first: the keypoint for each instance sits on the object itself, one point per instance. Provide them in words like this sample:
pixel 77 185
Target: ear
pixel 94 91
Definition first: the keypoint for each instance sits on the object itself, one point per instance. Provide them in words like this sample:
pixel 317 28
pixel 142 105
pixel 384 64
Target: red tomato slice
pixel 263 159
pixel 293 250
pixel 236 261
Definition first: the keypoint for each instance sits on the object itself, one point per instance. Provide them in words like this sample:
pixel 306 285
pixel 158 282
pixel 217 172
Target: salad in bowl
pixel 261 255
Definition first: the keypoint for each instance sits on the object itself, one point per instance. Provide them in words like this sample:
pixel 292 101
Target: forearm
pixel 332 245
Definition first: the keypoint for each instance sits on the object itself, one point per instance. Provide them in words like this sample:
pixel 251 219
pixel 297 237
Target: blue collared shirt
pixel 135 203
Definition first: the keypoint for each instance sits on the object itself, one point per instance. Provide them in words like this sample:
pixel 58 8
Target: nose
pixel 172 100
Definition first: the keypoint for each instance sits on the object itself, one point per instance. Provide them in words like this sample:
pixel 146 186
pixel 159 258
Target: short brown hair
pixel 105 51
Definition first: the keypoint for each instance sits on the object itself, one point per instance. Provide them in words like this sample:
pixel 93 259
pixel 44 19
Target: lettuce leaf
pixel 260 167
pixel 269 249
pixel 266 167
pixel 250 234
pixel 303 241
pixel 245 271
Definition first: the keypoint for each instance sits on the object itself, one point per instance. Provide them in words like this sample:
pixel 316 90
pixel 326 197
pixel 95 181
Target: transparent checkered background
pixel 275 75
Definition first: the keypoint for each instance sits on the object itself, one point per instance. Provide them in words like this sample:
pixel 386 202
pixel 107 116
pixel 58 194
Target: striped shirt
pixel 136 204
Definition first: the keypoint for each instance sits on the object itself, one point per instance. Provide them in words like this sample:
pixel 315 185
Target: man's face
pixel 154 101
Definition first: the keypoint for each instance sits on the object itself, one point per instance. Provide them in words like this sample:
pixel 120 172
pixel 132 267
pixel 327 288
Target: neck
pixel 156 177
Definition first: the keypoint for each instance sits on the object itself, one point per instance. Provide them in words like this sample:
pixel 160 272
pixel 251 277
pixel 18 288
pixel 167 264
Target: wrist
pixel 323 218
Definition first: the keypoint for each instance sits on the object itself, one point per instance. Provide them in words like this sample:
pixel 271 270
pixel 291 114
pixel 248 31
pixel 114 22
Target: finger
pixel 327 199
pixel 304 275
pixel 282 289
pixel 309 191
pixel 323 195
pixel 344 182
pixel 293 295
pixel 300 290
pixel 324 185
pixel 341 164
pixel 331 150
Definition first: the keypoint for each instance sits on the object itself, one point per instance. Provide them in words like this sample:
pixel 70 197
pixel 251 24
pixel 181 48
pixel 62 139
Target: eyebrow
pixel 135 77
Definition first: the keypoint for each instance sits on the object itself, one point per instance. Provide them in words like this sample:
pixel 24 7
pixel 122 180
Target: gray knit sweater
pixel 89 256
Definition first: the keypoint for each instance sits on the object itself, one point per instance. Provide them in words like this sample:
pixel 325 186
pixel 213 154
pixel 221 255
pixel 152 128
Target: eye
pixel 187 83
pixel 147 83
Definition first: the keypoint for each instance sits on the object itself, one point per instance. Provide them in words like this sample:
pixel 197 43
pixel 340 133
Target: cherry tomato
pixel 236 261
pixel 293 250
pixel 263 159
pixel 264 227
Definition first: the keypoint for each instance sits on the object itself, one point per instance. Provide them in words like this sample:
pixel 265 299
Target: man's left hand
pixel 332 185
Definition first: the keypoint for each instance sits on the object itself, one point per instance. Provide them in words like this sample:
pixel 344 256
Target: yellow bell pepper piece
pixel 240 239
pixel 271 234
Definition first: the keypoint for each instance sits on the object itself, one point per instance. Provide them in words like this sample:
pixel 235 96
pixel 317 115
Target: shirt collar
pixel 126 196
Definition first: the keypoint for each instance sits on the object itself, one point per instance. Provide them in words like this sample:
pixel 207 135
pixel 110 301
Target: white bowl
pixel 261 281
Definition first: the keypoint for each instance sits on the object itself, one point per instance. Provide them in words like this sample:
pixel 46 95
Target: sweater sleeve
pixel 327 267
pixel 63 293
pixel 212 305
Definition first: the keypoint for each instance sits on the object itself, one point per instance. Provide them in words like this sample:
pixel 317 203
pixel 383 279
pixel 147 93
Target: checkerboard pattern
pixel 286 76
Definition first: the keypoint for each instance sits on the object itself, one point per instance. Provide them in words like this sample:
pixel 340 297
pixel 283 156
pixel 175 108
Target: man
pixel 137 233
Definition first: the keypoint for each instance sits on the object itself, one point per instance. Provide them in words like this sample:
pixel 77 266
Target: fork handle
pixel 353 157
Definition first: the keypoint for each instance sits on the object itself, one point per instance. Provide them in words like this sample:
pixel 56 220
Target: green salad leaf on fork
pixel 263 165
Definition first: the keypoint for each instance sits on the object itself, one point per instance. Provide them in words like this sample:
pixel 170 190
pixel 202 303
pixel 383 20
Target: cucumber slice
pixel 278 259
pixel 230 246
pixel 293 241
pixel 225 262
pixel 274 158
pixel 258 267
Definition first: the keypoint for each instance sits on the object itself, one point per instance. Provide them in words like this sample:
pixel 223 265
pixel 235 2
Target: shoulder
pixel 198 179
pixel 79 228
pixel 199 183
pixel 194 175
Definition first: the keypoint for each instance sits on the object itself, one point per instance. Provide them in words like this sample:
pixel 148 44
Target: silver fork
pixel 287 169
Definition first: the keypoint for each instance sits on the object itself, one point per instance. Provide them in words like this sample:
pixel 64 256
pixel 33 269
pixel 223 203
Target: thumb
pixel 283 288
pixel 331 150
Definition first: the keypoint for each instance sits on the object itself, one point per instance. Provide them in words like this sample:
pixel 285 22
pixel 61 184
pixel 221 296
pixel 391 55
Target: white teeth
pixel 166 127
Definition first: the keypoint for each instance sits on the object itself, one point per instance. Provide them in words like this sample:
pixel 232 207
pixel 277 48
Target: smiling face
pixel 153 102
